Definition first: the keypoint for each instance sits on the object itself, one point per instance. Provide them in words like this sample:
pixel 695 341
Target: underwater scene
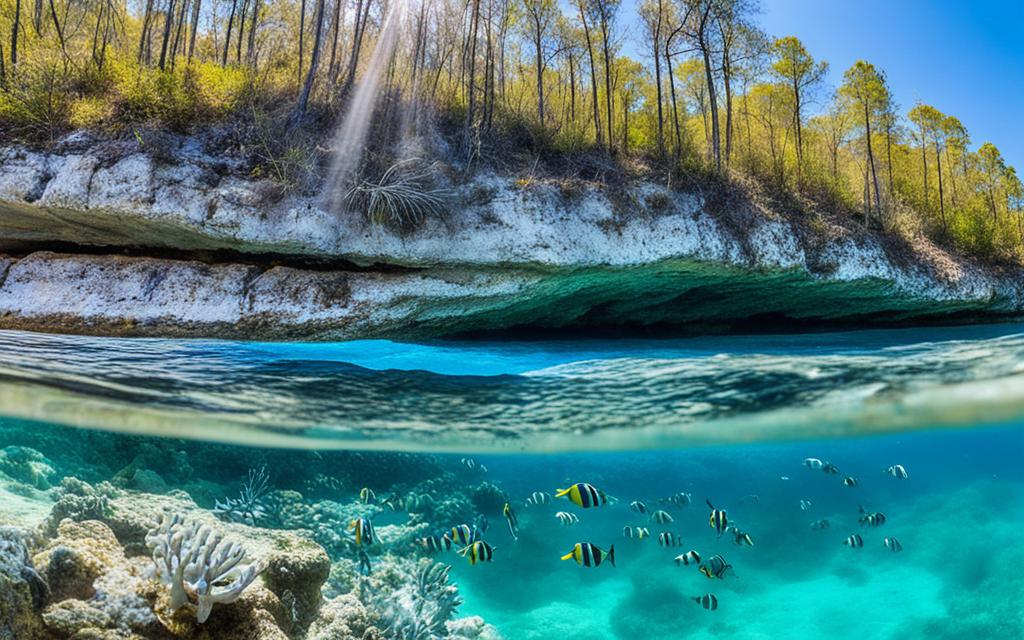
pixel 842 485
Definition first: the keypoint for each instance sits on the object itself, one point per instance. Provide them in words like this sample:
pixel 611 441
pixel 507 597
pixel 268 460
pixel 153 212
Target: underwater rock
pixel 22 591
pixel 257 615
pixel 27 466
pixel 488 498
pixel 199 565
pixel 472 628
pixel 345 618
pixel 78 500
pixel 79 554
pixel 69 617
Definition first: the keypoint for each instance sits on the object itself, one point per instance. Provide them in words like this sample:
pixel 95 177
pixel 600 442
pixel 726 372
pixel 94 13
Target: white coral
pixel 198 564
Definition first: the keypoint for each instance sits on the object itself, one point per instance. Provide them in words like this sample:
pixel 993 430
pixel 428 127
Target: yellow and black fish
pixel 589 555
pixel 709 601
pixel 367 496
pixel 718 521
pixel 584 495
pixel 716 567
pixel 363 530
pixel 461 535
pixel 688 558
pixel 513 521
pixel 478 551
pixel 662 517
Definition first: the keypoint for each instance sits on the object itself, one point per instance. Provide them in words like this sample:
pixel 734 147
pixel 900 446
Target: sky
pixel 964 57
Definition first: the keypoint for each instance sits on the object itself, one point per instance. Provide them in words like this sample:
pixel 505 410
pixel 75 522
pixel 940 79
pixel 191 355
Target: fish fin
pixel 710 506
pixel 568 556
pixel 561 492
pixel 464 550
pixel 611 554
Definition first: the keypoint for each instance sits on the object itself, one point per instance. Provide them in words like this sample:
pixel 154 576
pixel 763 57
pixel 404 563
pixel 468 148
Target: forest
pixel 707 93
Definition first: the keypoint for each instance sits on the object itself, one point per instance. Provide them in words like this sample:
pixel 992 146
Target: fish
pixel 469 463
pixel 435 543
pixel 636 532
pixel 897 471
pixel 805 505
pixel 850 481
pixel 892 544
pixel 461 535
pixel 830 469
pixel 538 498
pixel 715 567
pixel 783 477
pixel 662 517
pixel 820 524
pixel 478 551
pixel 367 496
pixel 638 506
pixel 718 520
pixel 513 521
pixel 667 539
pixel 567 518
pixel 813 463
pixel 583 494
pixel 688 558
pixel 854 541
pixel 414 503
pixel 741 538
pixel 589 555
pixel 874 519
pixel 680 499
pixel 365 567
pixel 393 502
pixel 709 601
pixel 363 530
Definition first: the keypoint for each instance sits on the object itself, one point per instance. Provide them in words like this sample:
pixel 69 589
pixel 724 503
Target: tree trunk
pixel 168 25
pixel 471 86
pixel 593 78
pixel 14 35
pixel 607 79
pixel 672 93
pixel 715 145
pixel 227 37
pixel 938 165
pixel 332 68
pixel 302 38
pixel 195 28
pixel 147 18
pixel 871 159
pixel 307 88
pixel 540 66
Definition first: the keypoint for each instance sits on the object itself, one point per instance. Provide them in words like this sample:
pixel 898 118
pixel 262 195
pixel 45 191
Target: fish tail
pixel 611 554
pixel 695 599
pixel 561 492
pixel 567 556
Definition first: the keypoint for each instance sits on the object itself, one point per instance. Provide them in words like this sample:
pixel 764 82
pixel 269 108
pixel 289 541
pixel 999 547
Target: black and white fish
pixel 365 567
pixel 362 530
pixel 680 499
pixel 805 505
pixel 873 519
pixel 435 544
pixel 830 469
pixel 715 567
pixel 820 524
pixel 709 601
pixel 538 498
pixel 662 517
pixel 367 496
pixel 897 471
pixel 850 481
pixel 854 541
pixel 688 558
pixel 566 518
pixel 718 521
pixel 812 463
pixel 638 507
pixel 636 532
pixel 667 539
pixel 892 544
pixel 741 538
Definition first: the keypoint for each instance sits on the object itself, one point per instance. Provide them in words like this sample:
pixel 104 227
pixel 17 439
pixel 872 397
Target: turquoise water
pixel 728 419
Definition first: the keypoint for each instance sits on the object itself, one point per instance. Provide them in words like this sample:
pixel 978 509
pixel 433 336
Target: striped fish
pixel 434 544
pixel 367 496
pixel 461 535
pixel 662 517
pixel 638 506
pixel 850 481
pixel 805 505
pixel 897 471
pixel 688 558
pixel 679 499
pixel 718 521
pixel 589 555
pixel 813 463
pixel 363 530
pixel 830 469
pixel 715 567
pixel 512 519
pixel 820 524
pixel 538 498
pixel 583 494
pixel 635 532
pixel 567 519
pixel 709 601
pixel 873 519
pixel 854 541
pixel 667 539
pixel 741 538
pixel 892 544
pixel 479 551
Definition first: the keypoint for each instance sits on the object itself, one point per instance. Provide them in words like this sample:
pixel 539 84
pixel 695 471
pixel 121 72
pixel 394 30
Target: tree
pixel 697 29
pixel 740 42
pixel 993 169
pixel 584 8
pixel 801 74
pixel 652 13
pixel 541 16
pixel 307 87
pixel 866 88
pixel 604 12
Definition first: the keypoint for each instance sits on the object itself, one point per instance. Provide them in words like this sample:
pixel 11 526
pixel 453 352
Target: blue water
pixel 724 419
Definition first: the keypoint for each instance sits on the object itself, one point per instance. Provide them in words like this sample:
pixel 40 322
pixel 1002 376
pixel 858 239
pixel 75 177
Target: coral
pixel 249 506
pixel 79 501
pixel 69 617
pixel 297 578
pixel 197 563
pixel 345 618
pixel 27 466
pixel 77 556
pixel 472 628
pixel 22 591
pixel 421 608
pixel 489 498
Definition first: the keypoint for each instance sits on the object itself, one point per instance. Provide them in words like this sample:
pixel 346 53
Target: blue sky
pixel 966 57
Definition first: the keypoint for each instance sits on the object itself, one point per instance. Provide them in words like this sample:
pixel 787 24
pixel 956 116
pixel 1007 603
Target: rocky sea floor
pixel 81 550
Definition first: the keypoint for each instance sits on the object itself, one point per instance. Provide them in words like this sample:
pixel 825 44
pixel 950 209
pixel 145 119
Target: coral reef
pixel 196 562
pixel 79 500
pixel 22 590
pixel 422 606
pixel 248 507
pixel 27 466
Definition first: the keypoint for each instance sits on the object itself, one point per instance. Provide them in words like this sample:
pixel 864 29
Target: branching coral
pixel 248 507
pixel 421 609
pixel 198 564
